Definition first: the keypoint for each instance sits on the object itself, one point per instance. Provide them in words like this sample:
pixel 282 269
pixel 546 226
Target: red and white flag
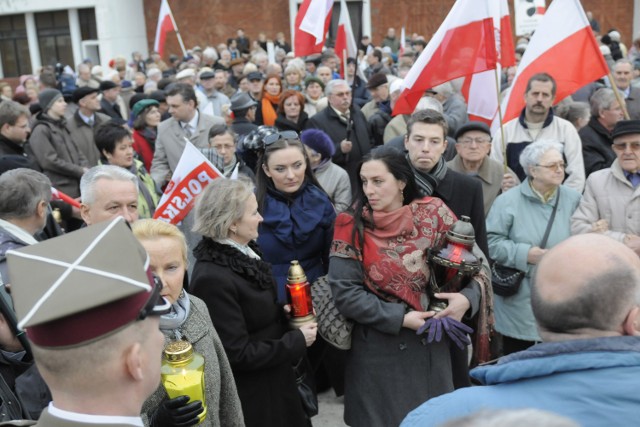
pixel 165 25
pixel 59 195
pixel 403 42
pixel 345 46
pixel 463 45
pixel 563 45
pixel 481 90
pixel 311 26
pixel 193 173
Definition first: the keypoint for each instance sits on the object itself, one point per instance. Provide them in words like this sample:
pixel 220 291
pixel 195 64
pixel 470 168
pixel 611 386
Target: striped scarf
pixel 428 182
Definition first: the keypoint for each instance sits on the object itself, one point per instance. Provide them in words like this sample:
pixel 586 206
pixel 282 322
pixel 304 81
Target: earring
pixel 402 193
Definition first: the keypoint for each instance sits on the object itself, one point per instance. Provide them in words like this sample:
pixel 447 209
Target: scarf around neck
pixel 172 321
pixel 269 114
pixel 429 181
pixel 150 135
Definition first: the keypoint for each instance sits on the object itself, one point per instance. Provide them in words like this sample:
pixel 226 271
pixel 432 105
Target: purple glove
pixel 457 331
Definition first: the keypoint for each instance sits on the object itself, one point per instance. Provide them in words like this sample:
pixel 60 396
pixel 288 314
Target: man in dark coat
pixel 596 135
pixel 108 103
pixel 346 126
pixel 83 122
pixel 14 131
pixel 244 113
pixel 425 143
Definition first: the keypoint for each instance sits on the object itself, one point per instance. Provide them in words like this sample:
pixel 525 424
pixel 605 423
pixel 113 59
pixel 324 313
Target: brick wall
pixel 205 22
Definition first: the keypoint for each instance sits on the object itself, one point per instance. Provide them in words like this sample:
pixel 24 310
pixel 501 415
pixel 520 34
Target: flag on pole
pixel 463 45
pixel 59 195
pixel 481 90
pixel 563 45
pixel 165 25
pixel 193 173
pixel 311 26
pixel 403 42
pixel 345 46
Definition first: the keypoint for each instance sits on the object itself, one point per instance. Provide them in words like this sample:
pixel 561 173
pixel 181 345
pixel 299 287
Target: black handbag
pixel 506 281
pixel 305 382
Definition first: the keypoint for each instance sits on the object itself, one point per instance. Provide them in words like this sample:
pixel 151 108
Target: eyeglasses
pixel 554 166
pixel 468 141
pixel 622 147
pixel 287 135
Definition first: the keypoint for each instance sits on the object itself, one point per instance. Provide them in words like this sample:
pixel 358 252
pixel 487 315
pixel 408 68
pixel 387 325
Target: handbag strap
pixel 550 224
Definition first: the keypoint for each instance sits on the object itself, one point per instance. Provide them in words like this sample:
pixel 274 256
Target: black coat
pixel 240 293
pixel 596 147
pixel 111 110
pixel 328 121
pixel 463 195
pixel 282 123
pixel 242 126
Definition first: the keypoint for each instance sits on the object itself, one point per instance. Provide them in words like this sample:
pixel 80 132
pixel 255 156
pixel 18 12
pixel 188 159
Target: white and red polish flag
pixel 311 26
pixel 463 45
pixel 403 42
pixel 481 90
pixel 563 45
pixel 345 46
pixel 193 173
pixel 165 25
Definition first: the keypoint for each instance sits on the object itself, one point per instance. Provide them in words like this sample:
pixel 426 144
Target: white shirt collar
pixel 193 123
pixel 93 419
pixel 85 118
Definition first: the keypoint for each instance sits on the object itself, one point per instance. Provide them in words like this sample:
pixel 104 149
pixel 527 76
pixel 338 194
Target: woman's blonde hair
pixel 150 229
pixel 220 205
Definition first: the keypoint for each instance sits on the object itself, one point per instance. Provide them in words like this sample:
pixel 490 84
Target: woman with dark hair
pixel 298 215
pixel 379 276
pixel 116 148
pixel 267 110
pixel 291 115
pixel 146 118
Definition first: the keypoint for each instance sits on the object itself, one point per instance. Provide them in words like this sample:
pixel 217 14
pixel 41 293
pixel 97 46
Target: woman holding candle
pixel 379 278
pixel 239 289
pixel 189 320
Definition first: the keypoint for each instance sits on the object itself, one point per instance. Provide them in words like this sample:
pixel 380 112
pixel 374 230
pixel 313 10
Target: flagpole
pixel 621 101
pixel 344 63
pixel 173 20
pixel 504 143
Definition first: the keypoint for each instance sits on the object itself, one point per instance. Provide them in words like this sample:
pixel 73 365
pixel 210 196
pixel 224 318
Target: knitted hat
pixel 142 105
pixel 319 142
pixel 313 79
pixel 47 97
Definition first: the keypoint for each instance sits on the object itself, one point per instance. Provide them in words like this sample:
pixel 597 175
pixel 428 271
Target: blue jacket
pixel 297 227
pixel 516 223
pixel 592 381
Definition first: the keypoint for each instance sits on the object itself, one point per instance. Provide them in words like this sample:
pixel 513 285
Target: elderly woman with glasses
pixel 516 228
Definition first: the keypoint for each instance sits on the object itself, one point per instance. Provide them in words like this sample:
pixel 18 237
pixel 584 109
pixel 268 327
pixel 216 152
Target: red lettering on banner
pixel 181 199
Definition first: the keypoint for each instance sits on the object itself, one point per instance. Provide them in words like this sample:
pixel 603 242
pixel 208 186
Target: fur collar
pixel 253 270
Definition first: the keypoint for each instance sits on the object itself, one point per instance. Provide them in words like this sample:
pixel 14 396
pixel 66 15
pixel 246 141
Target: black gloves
pixel 177 413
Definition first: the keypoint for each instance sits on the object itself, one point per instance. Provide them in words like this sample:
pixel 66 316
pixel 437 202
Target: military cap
pixel 83 286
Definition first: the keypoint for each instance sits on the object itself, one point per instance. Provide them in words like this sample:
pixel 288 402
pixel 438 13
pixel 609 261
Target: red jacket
pixel 143 148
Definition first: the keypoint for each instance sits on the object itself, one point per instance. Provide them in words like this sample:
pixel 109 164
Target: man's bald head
pixel 585 284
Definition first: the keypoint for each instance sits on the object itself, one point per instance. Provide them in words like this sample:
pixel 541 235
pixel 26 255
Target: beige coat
pixel 610 196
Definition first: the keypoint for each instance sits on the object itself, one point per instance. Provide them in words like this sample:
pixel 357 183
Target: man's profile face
pixel 425 145
pixel 17 133
pixel 180 109
pixel 539 98
pixel 112 198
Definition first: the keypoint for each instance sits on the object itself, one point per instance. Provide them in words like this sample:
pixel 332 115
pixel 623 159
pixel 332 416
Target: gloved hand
pixel 177 413
pixel 457 331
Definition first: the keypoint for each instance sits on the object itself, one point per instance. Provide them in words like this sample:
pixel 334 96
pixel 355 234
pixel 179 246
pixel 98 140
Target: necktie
pixel 90 122
pixel 187 130
pixel 634 178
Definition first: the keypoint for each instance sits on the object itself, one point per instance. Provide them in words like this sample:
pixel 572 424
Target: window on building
pixel 88 28
pixel 14 48
pixel 54 37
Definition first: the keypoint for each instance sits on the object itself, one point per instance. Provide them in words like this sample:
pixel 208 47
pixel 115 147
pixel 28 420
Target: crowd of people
pixel 324 174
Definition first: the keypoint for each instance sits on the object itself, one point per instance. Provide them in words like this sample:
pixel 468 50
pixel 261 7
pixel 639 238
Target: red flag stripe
pixel 464 50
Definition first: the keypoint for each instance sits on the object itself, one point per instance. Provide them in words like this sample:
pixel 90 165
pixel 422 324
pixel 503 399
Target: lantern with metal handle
pixel 453 264
pixel 299 295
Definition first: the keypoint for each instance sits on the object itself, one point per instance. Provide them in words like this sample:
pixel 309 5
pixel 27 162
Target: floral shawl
pixel 394 250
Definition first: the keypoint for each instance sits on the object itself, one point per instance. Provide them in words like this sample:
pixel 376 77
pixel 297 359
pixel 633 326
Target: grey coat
pixel 170 144
pixel 82 135
pixel 223 404
pixel 335 181
pixel 390 370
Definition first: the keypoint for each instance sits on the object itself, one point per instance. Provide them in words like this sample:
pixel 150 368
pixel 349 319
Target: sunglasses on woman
pixel 287 135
